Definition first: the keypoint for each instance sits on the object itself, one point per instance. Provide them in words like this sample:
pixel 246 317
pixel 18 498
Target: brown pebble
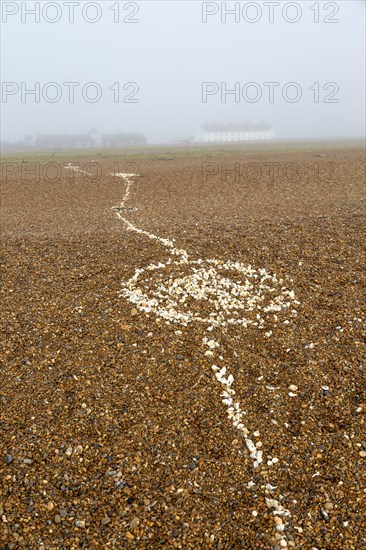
pixel 106 520
pixel 134 523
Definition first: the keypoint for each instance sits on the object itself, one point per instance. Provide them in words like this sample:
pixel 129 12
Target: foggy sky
pixel 169 53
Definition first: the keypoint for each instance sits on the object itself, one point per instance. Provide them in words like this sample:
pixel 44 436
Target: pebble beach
pixel 183 353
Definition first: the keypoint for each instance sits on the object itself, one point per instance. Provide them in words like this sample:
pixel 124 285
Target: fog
pixel 177 62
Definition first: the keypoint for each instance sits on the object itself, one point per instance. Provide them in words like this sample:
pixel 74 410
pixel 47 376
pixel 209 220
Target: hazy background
pixel 169 53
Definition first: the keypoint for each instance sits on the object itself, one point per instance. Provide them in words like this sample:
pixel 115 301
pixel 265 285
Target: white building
pixel 235 132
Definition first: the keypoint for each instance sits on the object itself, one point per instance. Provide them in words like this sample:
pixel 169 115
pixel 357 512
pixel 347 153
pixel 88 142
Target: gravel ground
pixel 113 431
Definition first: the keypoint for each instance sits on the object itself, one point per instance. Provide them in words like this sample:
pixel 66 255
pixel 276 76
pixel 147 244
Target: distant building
pixel 64 141
pixel 235 132
pixel 123 140
pixel 91 140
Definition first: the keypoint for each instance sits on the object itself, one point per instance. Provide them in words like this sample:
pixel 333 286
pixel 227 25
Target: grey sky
pixel 170 52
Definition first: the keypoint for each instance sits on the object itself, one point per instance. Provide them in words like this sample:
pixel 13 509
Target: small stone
pixel 254 513
pixel 80 523
pixel 328 506
pixel 106 520
pixel 27 461
pixel 324 515
pixel 180 357
pixel 133 311
pixel 68 451
pixel 293 387
pixel 79 449
pixel 63 513
pixel 8 459
pixel 57 519
pixel 50 506
pixel 129 536
pixel 362 454
pixel 363 443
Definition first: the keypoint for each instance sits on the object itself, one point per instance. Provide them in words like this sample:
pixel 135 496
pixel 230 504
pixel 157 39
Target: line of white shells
pixel 236 414
pixel 165 242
